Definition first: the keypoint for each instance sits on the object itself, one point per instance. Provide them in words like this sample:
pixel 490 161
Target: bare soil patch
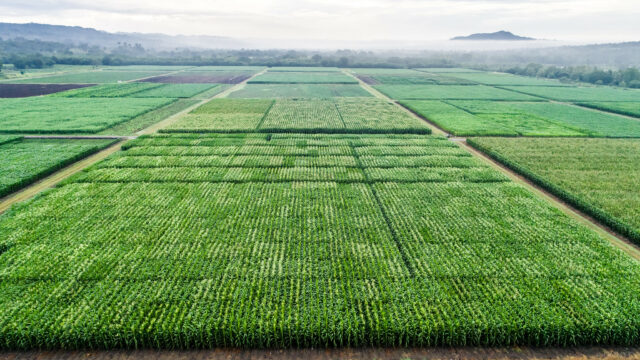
pixel 198 79
pixel 369 80
pixel 26 90
pixel 351 354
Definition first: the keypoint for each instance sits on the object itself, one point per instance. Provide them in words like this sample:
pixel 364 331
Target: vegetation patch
pixel 25 161
pixel 459 92
pixel 597 176
pixel 193 241
pixel 299 91
pixel 71 115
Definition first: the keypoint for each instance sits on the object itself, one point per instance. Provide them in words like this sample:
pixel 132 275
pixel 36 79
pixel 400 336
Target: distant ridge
pixel 498 35
pixel 80 35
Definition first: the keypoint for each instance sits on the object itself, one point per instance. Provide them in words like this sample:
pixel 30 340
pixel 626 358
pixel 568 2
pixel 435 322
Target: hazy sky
pixel 353 20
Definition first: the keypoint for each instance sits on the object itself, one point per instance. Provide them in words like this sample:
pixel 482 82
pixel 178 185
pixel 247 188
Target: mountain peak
pixel 498 35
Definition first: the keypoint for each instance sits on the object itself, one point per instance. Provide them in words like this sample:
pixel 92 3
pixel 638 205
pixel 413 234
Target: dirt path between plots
pixel 582 353
pixel 614 238
pixel 53 179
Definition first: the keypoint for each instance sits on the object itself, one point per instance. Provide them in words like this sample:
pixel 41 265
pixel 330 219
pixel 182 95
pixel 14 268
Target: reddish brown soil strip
pixel 26 90
pixel 196 79
pixel 369 80
pixel 352 354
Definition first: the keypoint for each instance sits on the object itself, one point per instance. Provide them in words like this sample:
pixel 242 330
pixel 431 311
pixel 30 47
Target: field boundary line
pixel 53 179
pixel 434 128
pixel 171 119
pixel 383 212
pixel 609 234
pixel 264 116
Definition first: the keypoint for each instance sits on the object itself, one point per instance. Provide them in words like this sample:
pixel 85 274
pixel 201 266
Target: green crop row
pixel 505 118
pixel 139 90
pixel 71 115
pixel 624 108
pixel 301 116
pixel 28 160
pixel 288 77
pixel 452 92
pixel 298 91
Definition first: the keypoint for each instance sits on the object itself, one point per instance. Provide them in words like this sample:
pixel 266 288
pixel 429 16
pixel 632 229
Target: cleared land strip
pixel 616 239
pixel 50 181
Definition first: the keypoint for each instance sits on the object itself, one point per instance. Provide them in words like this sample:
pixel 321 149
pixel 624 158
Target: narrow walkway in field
pixel 53 179
pixel 616 239
pixel 80 137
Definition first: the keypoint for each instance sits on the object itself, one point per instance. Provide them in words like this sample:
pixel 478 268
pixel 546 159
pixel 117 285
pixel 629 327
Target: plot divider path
pixel 435 129
pixel 53 179
pixel 81 137
pixel 614 238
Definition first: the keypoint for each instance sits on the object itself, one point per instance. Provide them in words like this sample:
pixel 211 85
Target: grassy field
pixel 624 108
pixel 24 161
pixel 599 176
pixel 252 240
pixel 300 91
pixel 149 118
pixel 471 117
pixel 580 94
pixel 487 78
pixel 308 77
pixel 459 92
pixel 71 115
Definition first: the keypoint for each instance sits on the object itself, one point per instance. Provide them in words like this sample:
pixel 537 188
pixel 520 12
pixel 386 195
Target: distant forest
pixel 609 64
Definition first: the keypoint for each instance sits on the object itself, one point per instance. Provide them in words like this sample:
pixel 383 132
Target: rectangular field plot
pixel 185 238
pixel 24 161
pixel 27 90
pixel 599 176
pixel 407 77
pixel 624 108
pixel 580 94
pixel 302 78
pixel 223 115
pixel 299 91
pixel 522 119
pixel 454 92
pixel 92 77
pixel 71 115
pixel 488 78
pixel 340 115
pixel 202 77
pixel 142 90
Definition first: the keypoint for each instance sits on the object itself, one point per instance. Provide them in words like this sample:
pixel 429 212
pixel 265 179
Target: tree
pixel 316 58
pixel 343 62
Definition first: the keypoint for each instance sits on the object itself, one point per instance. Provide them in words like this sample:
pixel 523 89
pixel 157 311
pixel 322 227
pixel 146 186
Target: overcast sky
pixel 353 20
